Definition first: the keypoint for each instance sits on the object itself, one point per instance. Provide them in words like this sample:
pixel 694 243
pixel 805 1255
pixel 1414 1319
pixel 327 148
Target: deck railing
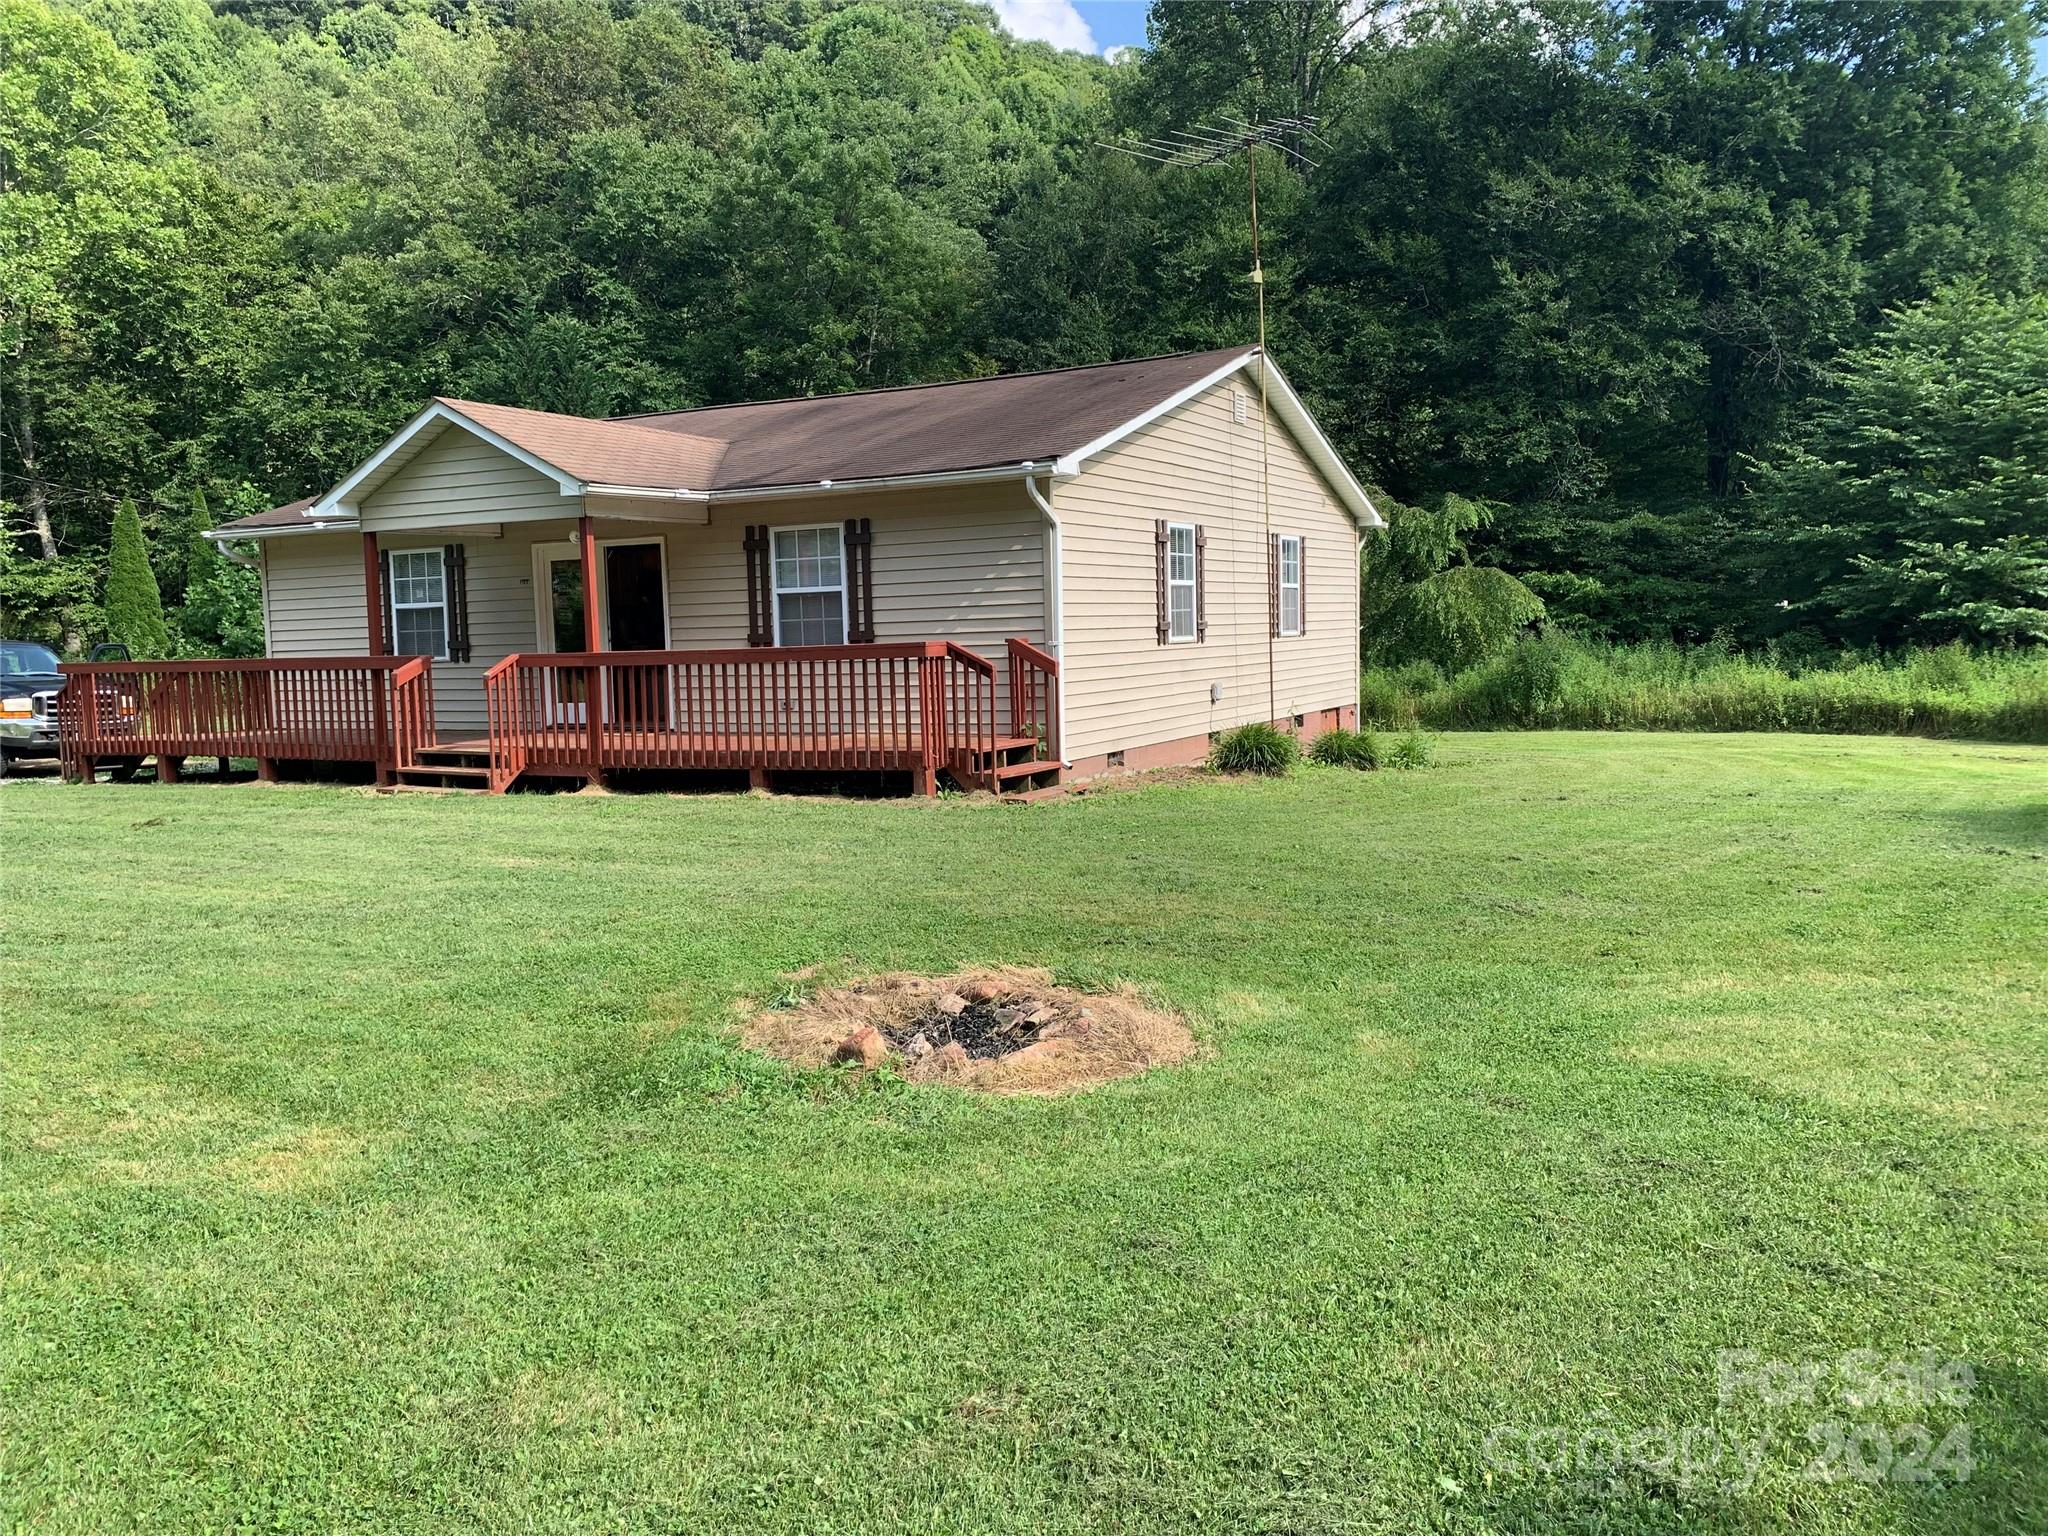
pixel 372 709
pixel 1035 697
pixel 412 710
pixel 923 707
pixel 916 707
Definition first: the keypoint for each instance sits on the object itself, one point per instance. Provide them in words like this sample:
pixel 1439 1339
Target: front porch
pixel 926 709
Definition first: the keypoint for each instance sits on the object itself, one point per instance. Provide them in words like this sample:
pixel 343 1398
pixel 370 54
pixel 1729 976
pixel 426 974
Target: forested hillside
pixel 1708 317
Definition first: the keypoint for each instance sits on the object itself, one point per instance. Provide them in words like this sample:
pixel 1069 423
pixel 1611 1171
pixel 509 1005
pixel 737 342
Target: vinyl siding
pixel 456 479
pixel 965 564
pixel 313 595
pixel 1198 465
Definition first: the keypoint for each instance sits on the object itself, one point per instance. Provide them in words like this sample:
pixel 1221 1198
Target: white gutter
pixel 651 493
pixel 219 537
pixel 876 483
pixel 1059 608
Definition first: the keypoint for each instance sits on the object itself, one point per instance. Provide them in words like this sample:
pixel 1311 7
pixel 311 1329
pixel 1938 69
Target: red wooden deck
pixel 923 707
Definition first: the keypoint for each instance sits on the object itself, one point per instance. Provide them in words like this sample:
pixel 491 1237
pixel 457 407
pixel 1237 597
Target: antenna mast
pixel 1211 143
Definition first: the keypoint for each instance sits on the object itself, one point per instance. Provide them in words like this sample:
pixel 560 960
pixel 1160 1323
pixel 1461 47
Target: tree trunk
pixel 36 499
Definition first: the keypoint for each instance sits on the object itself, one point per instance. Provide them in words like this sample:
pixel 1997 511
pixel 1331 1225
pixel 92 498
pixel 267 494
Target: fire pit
pixel 1007 1031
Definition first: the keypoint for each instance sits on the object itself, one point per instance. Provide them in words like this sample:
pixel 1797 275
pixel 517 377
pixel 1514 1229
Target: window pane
pixel 1290 610
pixel 1180 610
pixel 416 576
pixel 418 632
pixel 812 618
pixel 807 559
pixel 1290 561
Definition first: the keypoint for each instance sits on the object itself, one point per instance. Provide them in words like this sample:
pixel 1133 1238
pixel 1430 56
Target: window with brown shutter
pixel 419 607
pixel 1286 580
pixel 760 592
pixel 1273 585
pixel 1179 548
pixel 860 581
pixel 1159 561
pixel 455 563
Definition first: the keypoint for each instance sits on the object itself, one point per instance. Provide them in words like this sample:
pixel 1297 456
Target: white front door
pixel 558 604
pixel 632 609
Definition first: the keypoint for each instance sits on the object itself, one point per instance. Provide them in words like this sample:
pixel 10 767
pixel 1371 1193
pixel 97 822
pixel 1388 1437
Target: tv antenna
pixel 1211 143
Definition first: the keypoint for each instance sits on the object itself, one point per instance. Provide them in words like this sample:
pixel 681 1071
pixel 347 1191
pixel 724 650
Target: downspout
pixel 1059 609
pixel 235 556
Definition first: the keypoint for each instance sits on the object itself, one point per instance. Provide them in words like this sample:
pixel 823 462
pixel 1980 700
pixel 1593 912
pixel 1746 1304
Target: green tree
pixel 1914 505
pixel 1422 599
pixel 82 222
pixel 134 608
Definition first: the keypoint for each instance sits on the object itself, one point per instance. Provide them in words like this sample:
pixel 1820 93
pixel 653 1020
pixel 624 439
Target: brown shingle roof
pixel 918 429
pixel 628 452
pixel 290 515
pixel 925 429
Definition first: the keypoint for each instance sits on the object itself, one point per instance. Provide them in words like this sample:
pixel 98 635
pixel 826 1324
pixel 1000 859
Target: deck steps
pixel 1013 770
pixel 463 768
pixel 446 770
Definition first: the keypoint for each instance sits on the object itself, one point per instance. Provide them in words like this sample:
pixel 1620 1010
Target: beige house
pixel 1013 581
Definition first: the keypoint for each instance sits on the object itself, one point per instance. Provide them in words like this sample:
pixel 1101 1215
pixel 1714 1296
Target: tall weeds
pixel 1559 682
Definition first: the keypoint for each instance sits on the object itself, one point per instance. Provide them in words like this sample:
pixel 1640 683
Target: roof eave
pixel 439 411
pixel 1292 411
pixel 274 530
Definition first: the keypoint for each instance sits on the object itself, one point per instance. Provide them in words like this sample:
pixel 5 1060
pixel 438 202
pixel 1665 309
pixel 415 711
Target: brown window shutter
pixel 1301 554
pixel 1201 583
pixel 1273 585
pixel 860 581
pixel 760 591
pixel 455 568
pixel 1159 549
pixel 384 592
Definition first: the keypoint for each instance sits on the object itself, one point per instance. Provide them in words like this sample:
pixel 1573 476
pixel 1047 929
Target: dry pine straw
pixel 1120 1036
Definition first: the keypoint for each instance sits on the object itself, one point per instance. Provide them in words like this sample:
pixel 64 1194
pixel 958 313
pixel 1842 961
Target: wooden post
pixel 593 641
pixel 931 708
pixel 373 604
pixel 86 690
pixel 586 536
pixel 373 594
pixel 266 770
pixel 167 768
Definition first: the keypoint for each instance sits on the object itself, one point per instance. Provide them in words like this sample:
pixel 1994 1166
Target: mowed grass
pixel 386 1163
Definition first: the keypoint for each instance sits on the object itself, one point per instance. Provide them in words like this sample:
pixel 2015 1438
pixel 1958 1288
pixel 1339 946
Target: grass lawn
pixel 384 1163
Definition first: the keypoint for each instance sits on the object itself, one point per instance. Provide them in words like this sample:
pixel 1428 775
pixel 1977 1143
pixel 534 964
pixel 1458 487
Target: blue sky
pixel 1092 26
pixel 1115 23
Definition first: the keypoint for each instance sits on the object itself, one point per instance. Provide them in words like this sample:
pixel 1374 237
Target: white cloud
pixel 1047 21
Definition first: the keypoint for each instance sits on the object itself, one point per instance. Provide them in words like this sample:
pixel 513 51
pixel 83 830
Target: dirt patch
pixel 998 1031
pixel 291 1164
